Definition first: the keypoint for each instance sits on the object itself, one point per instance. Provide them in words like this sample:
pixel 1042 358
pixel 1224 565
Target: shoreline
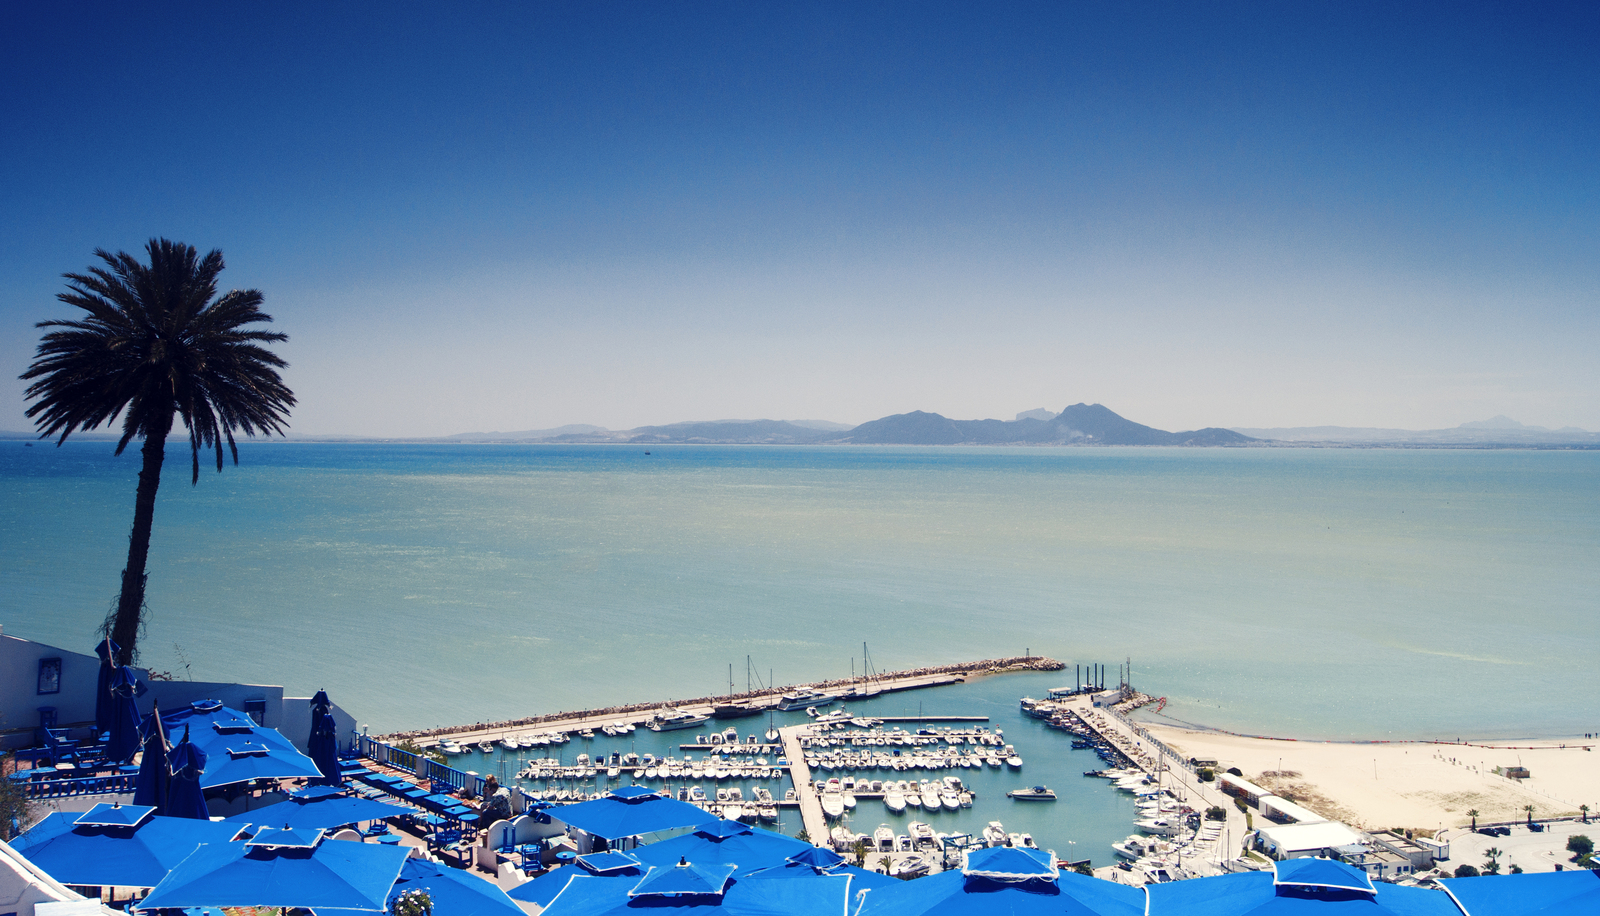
pixel 1422 784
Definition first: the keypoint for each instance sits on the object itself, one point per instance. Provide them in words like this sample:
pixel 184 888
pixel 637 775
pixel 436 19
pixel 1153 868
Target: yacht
pixel 895 799
pixel 1037 793
pixel 451 747
pixel 804 697
pixel 832 804
pixel 674 719
pixel 994 834
pixel 883 838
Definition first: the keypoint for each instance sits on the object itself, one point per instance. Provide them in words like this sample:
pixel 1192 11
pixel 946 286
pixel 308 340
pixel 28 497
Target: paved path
pixel 804 789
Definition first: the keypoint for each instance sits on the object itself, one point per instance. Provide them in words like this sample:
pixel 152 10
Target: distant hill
pixel 1080 424
pixel 770 432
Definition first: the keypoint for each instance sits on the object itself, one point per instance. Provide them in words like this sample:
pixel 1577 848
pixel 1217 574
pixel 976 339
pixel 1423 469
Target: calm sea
pixel 1314 593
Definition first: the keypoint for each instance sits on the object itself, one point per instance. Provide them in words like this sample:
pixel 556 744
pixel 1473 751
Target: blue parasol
pixel 453 891
pixel 184 798
pixel 282 868
pixel 111 845
pixel 154 781
pixel 124 739
pixel 320 806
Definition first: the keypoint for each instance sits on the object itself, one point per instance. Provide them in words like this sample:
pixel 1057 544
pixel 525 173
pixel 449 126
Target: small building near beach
pixel 1298 841
pixel 1239 787
pixel 1283 811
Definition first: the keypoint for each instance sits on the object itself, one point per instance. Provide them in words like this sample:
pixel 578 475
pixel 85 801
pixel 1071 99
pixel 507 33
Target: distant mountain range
pixel 1080 424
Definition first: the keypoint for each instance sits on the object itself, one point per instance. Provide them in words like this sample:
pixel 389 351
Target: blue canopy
pixel 236 748
pixel 124 732
pixel 747 847
pixel 151 786
pixel 610 863
pixel 184 795
pixel 332 875
pixel 822 894
pixel 333 809
pixel 1263 894
pixel 630 811
pixel 1010 863
pixel 139 855
pixel 1557 893
pixel 953 893
pixel 683 879
pixel 453 891
pixel 107 650
pixel 1315 872
pixel 816 856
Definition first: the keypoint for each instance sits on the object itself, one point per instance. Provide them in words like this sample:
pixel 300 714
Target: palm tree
pixel 1474 815
pixel 158 343
pixel 1585 810
pixel 1529 809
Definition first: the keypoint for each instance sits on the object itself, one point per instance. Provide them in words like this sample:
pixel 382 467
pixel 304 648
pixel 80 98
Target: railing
pixel 78 785
pixel 418 765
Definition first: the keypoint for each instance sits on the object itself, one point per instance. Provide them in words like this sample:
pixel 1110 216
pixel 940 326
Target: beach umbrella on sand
pixel 107 650
pixel 184 798
pixel 150 787
pixel 124 732
pixel 324 742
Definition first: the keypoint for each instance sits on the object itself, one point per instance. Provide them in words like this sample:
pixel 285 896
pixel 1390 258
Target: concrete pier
pixel 639 713
pixel 805 791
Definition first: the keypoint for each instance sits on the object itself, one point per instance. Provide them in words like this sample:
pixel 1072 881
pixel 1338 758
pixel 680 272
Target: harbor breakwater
pixel 889 682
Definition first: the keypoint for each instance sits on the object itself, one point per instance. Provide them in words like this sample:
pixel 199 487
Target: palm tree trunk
pixel 130 604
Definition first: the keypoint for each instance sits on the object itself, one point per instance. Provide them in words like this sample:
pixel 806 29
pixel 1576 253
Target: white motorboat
pixel 833 804
pixel 921 834
pixel 883 838
pixel 451 747
pixel 909 866
pixel 894 800
pixel 1014 762
pixel 994 834
pixel 949 798
pixel 1037 793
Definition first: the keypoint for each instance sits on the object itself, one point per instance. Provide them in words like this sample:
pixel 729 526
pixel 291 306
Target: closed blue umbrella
pixel 152 784
pixel 184 798
pixel 324 742
pixel 124 731
pixel 107 650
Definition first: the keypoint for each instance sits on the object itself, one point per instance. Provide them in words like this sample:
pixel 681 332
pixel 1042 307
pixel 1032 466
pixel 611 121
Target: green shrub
pixel 1206 774
pixel 1579 845
pixel 1466 871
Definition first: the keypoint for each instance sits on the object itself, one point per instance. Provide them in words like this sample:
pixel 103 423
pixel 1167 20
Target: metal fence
pixel 78 785
pixel 419 765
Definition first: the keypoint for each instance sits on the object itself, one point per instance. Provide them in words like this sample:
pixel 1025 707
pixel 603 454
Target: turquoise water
pixel 1315 593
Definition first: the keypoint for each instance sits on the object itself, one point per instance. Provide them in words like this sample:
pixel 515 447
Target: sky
pixel 475 217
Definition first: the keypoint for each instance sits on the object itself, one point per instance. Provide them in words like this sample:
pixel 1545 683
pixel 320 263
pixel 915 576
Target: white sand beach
pixel 1418 785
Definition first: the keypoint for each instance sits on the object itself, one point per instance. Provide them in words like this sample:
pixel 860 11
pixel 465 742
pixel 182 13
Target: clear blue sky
pixel 483 217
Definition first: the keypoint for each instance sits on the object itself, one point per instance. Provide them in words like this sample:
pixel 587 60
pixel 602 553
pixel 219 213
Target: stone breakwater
pixel 933 675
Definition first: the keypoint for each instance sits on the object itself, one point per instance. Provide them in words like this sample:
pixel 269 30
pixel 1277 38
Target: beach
pixel 1407 784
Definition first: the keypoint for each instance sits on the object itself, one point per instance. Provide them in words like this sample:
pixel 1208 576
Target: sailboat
pixel 869 686
pixel 733 709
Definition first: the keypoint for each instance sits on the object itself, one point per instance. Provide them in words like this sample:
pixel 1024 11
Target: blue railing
pixel 419 765
pixel 79 785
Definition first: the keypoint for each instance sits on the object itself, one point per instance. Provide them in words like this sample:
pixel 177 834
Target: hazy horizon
pixel 522 216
